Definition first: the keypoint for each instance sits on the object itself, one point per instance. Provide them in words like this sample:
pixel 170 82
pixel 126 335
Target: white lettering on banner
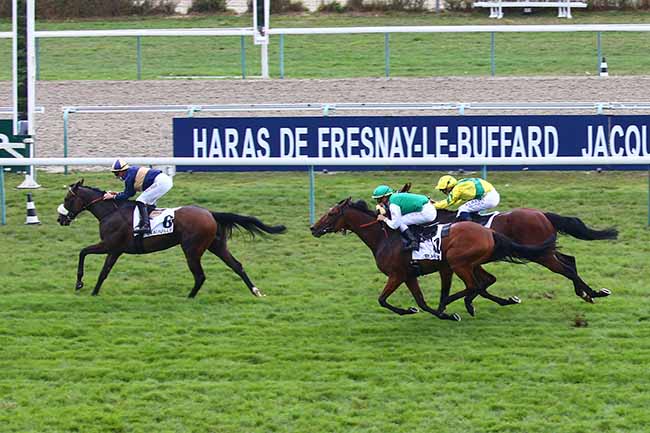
pixel 262 140
pixel 216 150
pixel 352 142
pixel 200 143
pixel 628 141
pixel 441 141
pixel 232 138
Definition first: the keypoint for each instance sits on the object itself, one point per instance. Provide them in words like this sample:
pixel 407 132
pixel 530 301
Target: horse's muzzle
pixel 318 232
pixel 63 220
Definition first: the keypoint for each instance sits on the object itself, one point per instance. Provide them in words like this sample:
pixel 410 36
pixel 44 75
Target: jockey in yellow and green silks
pixel 473 194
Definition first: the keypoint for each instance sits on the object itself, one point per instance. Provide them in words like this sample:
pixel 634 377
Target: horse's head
pixel 333 220
pixel 76 200
pixel 346 215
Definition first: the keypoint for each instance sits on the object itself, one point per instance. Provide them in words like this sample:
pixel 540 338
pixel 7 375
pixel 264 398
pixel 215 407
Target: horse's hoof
pixel 79 285
pixel 604 292
pixel 412 310
pixel 515 300
pixel 257 292
pixel 456 317
pixel 470 309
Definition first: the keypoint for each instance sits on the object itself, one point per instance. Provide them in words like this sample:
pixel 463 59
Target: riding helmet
pixel 382 191
pixel 445 182
pixel 119 165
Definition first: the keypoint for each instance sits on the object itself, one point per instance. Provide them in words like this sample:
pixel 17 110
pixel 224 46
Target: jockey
pixel 153 184
pixel 405 209
pixel 475 195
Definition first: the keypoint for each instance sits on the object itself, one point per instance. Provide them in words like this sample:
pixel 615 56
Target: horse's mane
pixel 363 207
pixel 92 188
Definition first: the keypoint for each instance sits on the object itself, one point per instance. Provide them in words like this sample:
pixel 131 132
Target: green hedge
pixel 58 9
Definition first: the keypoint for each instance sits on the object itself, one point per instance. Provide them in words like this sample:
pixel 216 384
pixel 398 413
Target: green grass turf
pixel 318 354
pixel 322 56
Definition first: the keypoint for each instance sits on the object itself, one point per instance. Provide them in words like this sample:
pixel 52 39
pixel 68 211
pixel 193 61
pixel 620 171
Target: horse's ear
pixel 81 182
pixel 406 187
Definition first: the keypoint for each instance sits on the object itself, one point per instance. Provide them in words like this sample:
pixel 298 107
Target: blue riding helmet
pixel 119 165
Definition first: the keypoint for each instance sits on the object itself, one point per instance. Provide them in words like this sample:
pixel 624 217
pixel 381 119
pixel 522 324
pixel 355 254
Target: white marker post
pixel 261 18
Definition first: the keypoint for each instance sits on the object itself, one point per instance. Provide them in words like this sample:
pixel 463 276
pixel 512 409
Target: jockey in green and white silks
pixel 405 209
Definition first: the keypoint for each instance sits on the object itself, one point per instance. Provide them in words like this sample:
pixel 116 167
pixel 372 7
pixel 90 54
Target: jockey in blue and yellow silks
pixel 153 184
pixel 405 209
pixel 475 195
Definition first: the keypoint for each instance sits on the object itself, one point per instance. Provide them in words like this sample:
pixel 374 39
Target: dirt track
pixel 149 134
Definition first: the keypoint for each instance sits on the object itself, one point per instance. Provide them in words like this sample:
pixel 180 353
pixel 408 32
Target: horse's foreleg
pixel 414 287
pixel 391 285
pixel 446 275
pixel 219 249
pixel 108 265
pixel 99 248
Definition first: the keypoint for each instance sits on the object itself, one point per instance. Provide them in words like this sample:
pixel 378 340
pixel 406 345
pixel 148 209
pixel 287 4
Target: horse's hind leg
pixel 571 262
pixel 193 256
pixel 414 287
pixel 219 249
pixel 108 265
pixel 565 265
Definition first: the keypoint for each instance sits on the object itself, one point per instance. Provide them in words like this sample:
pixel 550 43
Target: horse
pixel 466 247
pixel 531 226
pixel 195 230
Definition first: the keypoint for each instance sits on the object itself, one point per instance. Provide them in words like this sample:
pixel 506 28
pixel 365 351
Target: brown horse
pixel 195 229
pixel 532 226
pixel 465 249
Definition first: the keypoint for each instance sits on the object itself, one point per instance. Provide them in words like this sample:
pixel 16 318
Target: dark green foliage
pixel 282 6
pixel 63 9
pixel 333 6
pixel 202 6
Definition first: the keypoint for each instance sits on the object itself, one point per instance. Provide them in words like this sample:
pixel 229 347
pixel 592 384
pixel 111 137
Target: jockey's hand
pixel 109 195
pixel 381 218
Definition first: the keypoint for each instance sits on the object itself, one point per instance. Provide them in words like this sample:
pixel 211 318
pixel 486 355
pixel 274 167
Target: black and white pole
pixel 603 68
pixel 32 218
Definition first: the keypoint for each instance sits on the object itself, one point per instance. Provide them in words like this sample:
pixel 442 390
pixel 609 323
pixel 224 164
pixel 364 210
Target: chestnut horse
pixel 195 229
pixel 532 226
pixel 465 249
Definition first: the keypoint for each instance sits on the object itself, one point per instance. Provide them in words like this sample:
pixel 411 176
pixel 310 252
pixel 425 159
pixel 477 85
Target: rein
pixel 87 206
pixel 373 222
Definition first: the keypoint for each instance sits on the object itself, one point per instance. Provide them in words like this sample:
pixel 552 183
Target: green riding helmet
pixel 382 191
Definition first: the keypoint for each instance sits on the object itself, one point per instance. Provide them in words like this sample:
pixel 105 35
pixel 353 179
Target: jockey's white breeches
pixel 489 200
pixel 161 184
pixel 426 215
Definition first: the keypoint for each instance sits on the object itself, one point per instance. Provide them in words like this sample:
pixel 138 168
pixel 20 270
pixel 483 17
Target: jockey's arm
pixel 453 198
pixel 396 217
pixel 129 190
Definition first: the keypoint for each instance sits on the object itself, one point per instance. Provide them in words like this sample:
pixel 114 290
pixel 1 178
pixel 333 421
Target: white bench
pixel 496 6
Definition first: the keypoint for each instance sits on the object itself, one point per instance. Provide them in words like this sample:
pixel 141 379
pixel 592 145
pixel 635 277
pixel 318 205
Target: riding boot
pixel 412 243
pixel 144 227
pixel 464 216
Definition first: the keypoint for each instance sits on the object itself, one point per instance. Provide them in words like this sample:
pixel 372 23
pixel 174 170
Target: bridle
pixel 72 215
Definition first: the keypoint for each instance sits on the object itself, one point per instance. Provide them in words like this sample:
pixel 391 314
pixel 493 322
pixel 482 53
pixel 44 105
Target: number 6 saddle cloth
pixel 162 221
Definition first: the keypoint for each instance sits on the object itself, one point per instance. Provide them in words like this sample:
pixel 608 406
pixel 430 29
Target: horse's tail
pixel 228 221
pixel 505 249
pixel 575 227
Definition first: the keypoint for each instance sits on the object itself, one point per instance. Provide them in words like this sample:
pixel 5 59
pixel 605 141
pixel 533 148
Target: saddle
pixel 483 219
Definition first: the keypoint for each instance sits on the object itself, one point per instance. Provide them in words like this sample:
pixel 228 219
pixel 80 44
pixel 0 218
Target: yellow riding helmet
pixel 445 182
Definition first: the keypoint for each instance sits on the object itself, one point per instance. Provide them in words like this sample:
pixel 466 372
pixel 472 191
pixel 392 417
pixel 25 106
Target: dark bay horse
pixel 465 249
pixel 532 226
pixel 195 229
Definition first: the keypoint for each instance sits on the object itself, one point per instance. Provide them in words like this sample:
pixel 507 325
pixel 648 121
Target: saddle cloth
pixel 430 242
pixel 485 219
pixel 162 221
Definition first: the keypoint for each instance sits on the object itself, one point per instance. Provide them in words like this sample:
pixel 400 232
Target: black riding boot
pixel 144 227
pixel 412 243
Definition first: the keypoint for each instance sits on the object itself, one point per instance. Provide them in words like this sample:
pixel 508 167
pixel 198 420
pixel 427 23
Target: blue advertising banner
pixel 410 137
